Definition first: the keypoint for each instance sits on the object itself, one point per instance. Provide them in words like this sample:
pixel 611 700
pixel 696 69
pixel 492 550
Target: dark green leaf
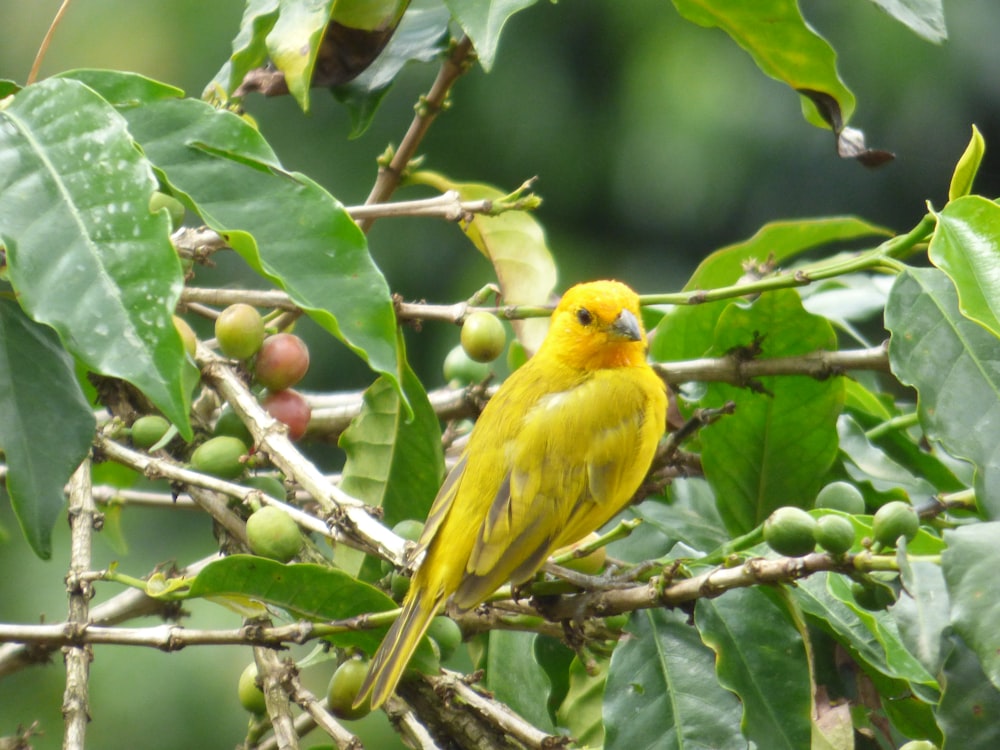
pixel 665 675
pixel 760 656
pixel 868 463
pixel 420 37
pixel 46 425
pixel 776 447
pixel 483 20
pixel 970 704
pixel 85 254
pixel 284 225
pixel 514 676
pixel 966 246
pixel 952 363
pixel 970 564
pixel 581 711
pixel 781 43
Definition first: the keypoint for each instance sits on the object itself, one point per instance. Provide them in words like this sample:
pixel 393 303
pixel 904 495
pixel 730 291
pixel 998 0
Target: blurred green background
pixel 654 141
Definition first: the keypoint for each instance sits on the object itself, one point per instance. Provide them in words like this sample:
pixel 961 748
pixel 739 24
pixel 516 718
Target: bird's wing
pixel 574 463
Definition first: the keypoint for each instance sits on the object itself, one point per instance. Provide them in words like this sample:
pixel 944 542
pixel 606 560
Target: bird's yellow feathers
pixel 560 449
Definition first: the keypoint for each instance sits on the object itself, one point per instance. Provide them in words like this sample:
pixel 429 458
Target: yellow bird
pixel 560 449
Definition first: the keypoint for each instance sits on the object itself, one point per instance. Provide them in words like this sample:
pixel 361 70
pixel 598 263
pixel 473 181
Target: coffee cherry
pixel 290 408
pixel 446 634
pixel 841 496
pixel 835 534
pixel 282 361
pixel 790 531
pixel 273 534
pixel 220 457
pixel 147 431
pixel 483 336
pixel 239 330
pixel 893 520
pixel 461 369
pixel 344 688
pixel 251 696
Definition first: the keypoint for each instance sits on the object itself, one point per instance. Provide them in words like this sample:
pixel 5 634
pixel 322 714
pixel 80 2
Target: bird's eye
pixel 583 315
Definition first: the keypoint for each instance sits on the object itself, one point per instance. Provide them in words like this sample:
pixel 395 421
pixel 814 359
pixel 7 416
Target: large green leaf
pixel 394 458
pixel 953 364
pixel 515 677
pixel 870 637
pixel 284 225
pixel 664 674
pixel 686 332
pixel 85 254
pixel 921 612
pixel 970 564
pixel 46 425
pixel 514 242
pixel 776 447
pixel 483 20
pixel 966 246
pixel 761 658
pixel 313 592
pixel 781 43
pixel 970 704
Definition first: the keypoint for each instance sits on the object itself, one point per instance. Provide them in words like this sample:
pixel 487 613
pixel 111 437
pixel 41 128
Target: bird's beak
pixel 627 327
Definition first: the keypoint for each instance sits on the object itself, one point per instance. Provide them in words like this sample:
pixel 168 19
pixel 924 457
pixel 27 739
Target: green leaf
pixel 420 37
pixel 249 47
pixel 284 225
pixel 970 564
pixel 393 461
pixel 760 656
pixel 776 447
pixel 780 241
pixel 580 712
pixel 968 166
pixel 514 242
pixel 966 246
pixel 294 42
pixel 690 518
pixel 686 332
pixel 515 678
pixel 483 21
pixel 923 17
pixel 870 637
pixel 952 363
pixel 868 463
pixel 665 675
pixel 46 425
pixel 121 89
pixel 970 703
pixel 780 42
pixel 312 592
pixel 85 254
pixel 921 612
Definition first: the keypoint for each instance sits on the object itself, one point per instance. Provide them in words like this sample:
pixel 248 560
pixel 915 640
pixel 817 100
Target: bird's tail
pixel 398 646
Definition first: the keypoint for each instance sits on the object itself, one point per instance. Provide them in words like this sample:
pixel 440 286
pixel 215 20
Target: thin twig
pixel 389 175
pixel 46 41
pixel 271 671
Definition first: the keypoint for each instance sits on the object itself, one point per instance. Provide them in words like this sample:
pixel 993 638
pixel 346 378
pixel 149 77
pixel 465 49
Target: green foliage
pixel 755 648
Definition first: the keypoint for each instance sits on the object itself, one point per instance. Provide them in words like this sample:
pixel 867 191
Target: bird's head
pixel 597 325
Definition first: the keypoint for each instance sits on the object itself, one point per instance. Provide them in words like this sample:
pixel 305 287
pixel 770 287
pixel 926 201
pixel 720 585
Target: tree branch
pixel 83 519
